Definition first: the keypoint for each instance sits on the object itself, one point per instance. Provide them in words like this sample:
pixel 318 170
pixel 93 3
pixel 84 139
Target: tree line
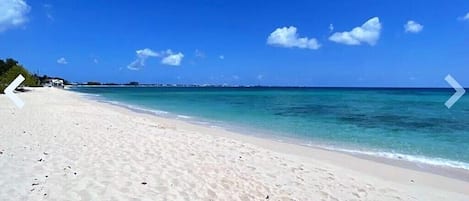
pixel 10 69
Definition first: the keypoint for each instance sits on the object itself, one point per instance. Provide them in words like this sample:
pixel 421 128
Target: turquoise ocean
pixel 404 124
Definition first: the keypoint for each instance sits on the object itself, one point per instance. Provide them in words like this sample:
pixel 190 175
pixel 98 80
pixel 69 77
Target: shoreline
pixel 442 170
pixel 273 143
pixel 94 150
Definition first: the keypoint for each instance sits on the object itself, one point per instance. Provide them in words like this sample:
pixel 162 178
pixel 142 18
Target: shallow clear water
pixel 412 124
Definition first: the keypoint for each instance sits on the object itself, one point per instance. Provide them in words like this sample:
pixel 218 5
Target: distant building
pixel 54 83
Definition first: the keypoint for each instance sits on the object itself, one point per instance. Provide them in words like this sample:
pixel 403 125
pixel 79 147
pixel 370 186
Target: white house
pixel 54 83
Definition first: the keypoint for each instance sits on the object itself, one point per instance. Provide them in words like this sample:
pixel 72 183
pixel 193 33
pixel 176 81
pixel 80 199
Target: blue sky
pixel 300 43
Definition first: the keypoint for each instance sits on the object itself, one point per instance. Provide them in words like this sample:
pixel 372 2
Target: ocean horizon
pixel 410 124
pixel 157 85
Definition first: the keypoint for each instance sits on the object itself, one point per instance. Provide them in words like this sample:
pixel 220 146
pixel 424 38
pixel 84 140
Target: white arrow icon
pixel 9 91
pixel 457 95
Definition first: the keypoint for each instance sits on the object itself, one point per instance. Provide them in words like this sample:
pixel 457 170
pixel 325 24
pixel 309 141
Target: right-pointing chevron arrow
pixel 457 95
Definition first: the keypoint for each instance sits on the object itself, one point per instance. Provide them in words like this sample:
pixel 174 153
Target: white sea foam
pixel 398 156
pixel 133 107
pixel 89 95
pixel 202 122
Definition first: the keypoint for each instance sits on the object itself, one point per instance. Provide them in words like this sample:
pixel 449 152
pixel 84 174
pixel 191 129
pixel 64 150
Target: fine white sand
pixel 62 146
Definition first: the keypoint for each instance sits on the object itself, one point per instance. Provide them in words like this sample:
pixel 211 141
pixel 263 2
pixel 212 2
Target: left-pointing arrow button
pixel 12 96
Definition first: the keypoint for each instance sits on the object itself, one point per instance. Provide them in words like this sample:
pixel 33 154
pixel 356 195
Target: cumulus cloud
pixel 369 33
pixel 288 37
pixel 142 56
pixel 413 27
pixel 331 28
pixel 172 59
pixel 62 61
pixel 13 13
pixel 168 58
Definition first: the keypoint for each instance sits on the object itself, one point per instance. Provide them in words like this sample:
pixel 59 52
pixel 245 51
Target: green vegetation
pixel 43 79
pixel 6 65
pixel 10 69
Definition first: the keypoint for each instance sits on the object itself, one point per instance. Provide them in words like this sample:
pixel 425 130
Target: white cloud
pixel 147 53
pixel 48 9
pixel 331 28
pixel 287 37
pixel 199 53
pixel 369 33
pixel 172 59
pixel 62 60
pixel 413 27
pixel 466 17
pixel 142 56
pixel 13 13
pixel 221 57
pixel 168 58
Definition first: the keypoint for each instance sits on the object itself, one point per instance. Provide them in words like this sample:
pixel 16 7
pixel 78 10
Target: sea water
pixel 409 124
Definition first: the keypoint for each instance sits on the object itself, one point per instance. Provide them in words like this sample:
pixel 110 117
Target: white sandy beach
pixel 62 146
